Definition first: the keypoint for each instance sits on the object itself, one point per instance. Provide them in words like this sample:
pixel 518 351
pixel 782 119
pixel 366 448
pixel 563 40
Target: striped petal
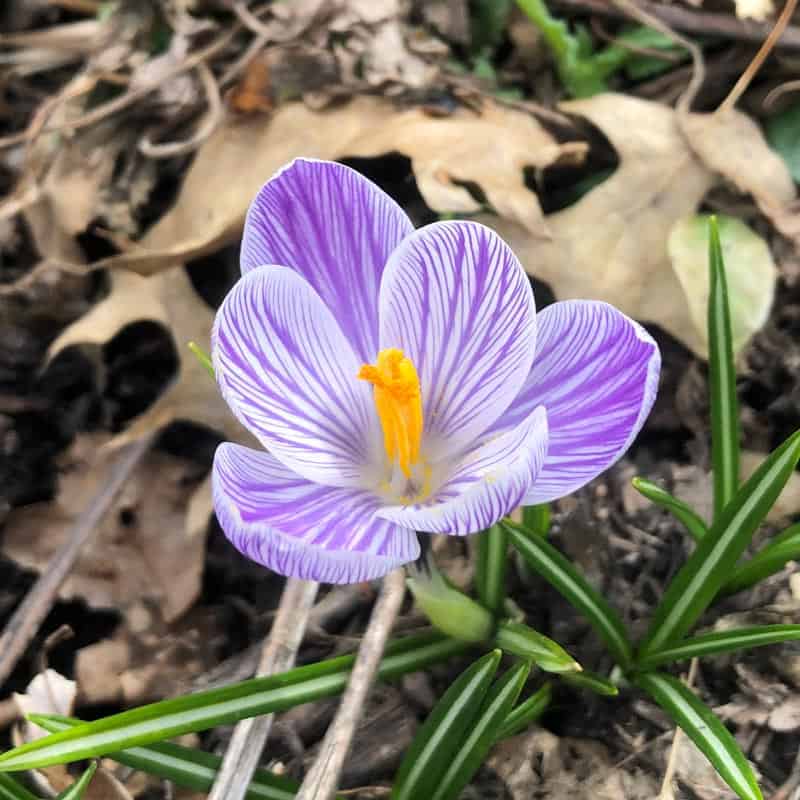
pixel 335 228
pixel 301 529
pixel 289 375
pixel 486 485
pixel 596 372
pixel 455 299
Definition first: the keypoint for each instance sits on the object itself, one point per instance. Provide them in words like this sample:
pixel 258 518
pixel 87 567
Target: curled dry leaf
pixel 613 243
pixel 51 693
pixel 138 552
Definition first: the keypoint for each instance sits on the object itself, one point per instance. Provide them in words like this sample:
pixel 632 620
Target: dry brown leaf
pixel 225 176
pixel 612 244
pixel 234 163
pixel 147 657
pixel 139 551
pixel 731 144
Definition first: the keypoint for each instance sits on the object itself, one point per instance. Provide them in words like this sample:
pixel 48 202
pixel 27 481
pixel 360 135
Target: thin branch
pixel 698 23
pixel 209 124
pixel 322 779
pixel 647 17
pixel 280 651
pixel 760 57
pixel 25 621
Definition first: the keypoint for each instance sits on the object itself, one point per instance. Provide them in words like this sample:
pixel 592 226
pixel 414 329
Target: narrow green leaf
pixel 525 642
pixel 721 380
pixel 705 729
pixel 203 357
pixel 483 733
pixel 710 644
pixel 536 519
pixel 543 558
pixel 203 710
pixel 716 554
pixel 591 681
pixel 75 792
pixel 11 790
pixel 490 575
pixel 690 520
pixel 527 712
pixel 442 733
pixel 771 559
pixel 184 766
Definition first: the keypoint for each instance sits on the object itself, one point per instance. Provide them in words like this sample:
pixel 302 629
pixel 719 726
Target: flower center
pixel 398 401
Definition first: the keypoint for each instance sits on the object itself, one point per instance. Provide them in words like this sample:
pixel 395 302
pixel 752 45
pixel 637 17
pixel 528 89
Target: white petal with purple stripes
pixel 455 299
pixel 596 372
pixel 298 528
pixel 335 228
pixel 288 373
pixel 486 485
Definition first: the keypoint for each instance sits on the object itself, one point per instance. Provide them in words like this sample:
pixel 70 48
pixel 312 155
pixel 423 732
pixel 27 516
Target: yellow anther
pixel 399 404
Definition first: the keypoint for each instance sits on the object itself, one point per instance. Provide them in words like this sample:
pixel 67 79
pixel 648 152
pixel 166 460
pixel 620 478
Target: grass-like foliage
pixel 481 708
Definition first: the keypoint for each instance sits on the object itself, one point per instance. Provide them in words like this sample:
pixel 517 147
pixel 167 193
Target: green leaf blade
pixel 527 643
pixel 692 521
pixel 203 710
pixel 722 642
pixel 714 558
pixel 441 735
pixel 771 559
pixel 75 792
pixel 544 559
pixel 705 729
pixel 721 380
pixel 184 766
pixel 527 712
pixel 11 790
pixel 496 707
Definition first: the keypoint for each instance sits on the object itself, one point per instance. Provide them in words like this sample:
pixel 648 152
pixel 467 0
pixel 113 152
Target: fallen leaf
pixel 147 657
pixel 750 272
pixel 613 243
pixel 139 550
pixel 51 693
pixel 759 10
pixel 48 693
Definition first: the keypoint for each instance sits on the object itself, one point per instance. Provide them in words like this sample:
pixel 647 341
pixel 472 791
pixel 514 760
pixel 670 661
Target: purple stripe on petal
pixel 486 485
pixel 301 529
pixel 596 372
pixel 289 375
pixel 456 300
pixel 335 228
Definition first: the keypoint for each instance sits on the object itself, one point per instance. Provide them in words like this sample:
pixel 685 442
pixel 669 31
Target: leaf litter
pixel 475 156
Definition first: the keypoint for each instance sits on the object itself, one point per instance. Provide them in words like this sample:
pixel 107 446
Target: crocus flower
pixel 401 381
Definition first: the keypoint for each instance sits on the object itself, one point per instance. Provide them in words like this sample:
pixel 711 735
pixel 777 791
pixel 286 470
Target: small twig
pixel 651 20
pixel 120 103
pixel 280 651
pixel 204 130
pixel 760 57
pixel 322 779
pixel 25 621
pixel 698 23
pixel 672 762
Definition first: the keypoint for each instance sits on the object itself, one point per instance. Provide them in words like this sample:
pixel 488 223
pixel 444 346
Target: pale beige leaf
pixel 750 271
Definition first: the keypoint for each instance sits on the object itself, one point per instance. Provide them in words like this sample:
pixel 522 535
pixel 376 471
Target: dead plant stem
pixel 280 651
pixel 24 623
pixel 322 779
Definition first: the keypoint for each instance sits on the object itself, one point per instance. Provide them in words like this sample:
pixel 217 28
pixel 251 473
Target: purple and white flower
pixel 401 381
